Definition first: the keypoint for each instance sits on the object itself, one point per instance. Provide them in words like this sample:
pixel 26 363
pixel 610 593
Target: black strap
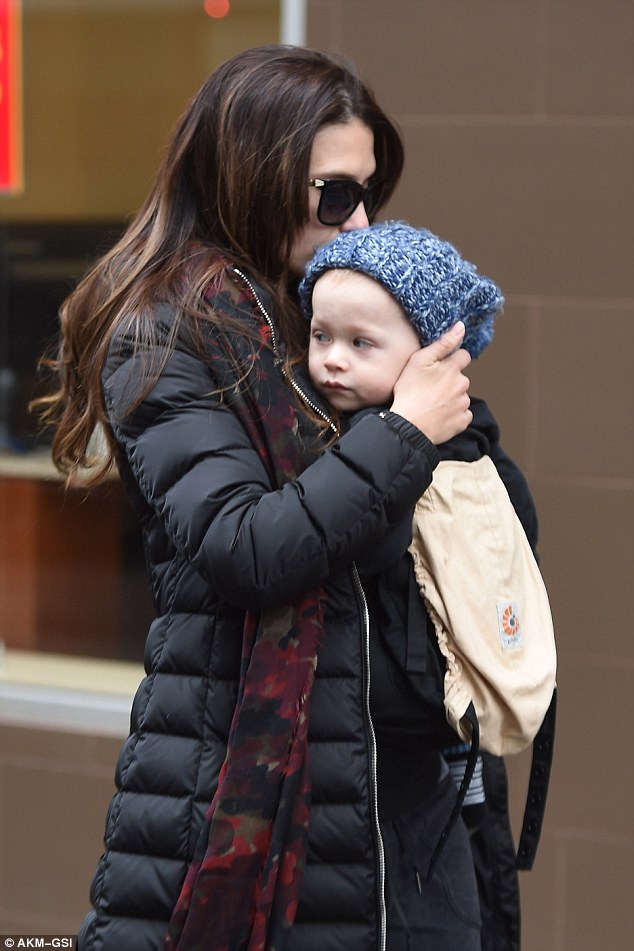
pixel 543 747
pixel 417 620
pixel 474 749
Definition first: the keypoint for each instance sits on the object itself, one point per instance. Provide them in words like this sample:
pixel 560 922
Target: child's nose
pixel 335 358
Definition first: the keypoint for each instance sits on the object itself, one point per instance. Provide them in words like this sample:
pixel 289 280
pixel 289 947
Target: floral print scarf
pixel 241 890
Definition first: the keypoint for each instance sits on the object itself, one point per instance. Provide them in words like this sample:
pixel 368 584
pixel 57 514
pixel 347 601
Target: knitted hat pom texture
pixel 434 285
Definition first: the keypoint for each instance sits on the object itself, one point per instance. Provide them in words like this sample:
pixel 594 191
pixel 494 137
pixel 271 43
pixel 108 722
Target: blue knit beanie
pixel 432 283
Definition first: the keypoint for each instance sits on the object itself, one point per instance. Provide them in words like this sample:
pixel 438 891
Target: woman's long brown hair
pixel 233 184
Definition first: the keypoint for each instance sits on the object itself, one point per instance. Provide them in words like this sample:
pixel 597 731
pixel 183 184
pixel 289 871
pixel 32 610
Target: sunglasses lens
pixel 338 200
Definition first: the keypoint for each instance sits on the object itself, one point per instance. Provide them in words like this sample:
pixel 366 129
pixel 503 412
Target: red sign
pixel 10 96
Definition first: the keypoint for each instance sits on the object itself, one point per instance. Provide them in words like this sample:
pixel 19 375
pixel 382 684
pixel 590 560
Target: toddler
pixel 374 297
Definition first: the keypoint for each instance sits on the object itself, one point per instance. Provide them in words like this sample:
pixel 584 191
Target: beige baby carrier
pixel 486 597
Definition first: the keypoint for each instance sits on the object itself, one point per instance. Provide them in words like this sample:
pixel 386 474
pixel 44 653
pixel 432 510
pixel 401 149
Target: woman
pixel 184 344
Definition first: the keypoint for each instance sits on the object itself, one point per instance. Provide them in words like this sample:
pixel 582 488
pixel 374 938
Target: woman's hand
pixel 431 391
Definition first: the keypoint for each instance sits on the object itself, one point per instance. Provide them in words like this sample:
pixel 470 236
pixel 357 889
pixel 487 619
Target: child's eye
pixel 360 342
pixel 320 336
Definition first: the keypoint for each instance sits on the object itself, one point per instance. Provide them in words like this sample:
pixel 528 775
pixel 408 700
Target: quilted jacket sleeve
pixel 257 544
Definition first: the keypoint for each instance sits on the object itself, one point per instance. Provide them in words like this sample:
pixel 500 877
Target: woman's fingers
pixel 447 344
pixel 431 392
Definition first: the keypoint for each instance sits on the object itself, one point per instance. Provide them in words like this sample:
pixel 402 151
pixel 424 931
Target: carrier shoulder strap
pixel 474 749
pixel 543 747
pixel 541 763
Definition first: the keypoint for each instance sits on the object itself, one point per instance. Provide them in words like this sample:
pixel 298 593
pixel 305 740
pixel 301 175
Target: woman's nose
pixel 358 219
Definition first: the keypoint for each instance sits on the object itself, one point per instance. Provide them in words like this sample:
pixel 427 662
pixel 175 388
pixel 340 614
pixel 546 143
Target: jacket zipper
pixel 380 852
pixel 278 359
pixel 366 634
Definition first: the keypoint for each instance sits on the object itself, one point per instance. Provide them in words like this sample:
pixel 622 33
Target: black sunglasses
pixel 340 196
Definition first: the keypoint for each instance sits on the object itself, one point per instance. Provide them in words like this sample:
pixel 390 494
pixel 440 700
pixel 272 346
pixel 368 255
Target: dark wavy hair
pixel 232 185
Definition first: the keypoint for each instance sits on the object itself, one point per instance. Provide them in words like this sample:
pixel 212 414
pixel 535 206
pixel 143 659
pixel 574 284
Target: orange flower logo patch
pixel 509 625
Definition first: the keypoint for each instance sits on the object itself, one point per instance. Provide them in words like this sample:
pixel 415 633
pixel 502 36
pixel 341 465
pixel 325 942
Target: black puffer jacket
pixel 220 538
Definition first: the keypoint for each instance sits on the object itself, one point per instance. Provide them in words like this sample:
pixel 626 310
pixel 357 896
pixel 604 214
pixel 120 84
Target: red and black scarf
pixel 241 890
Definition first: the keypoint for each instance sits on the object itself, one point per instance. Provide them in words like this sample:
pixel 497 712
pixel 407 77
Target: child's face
pixel 360 340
